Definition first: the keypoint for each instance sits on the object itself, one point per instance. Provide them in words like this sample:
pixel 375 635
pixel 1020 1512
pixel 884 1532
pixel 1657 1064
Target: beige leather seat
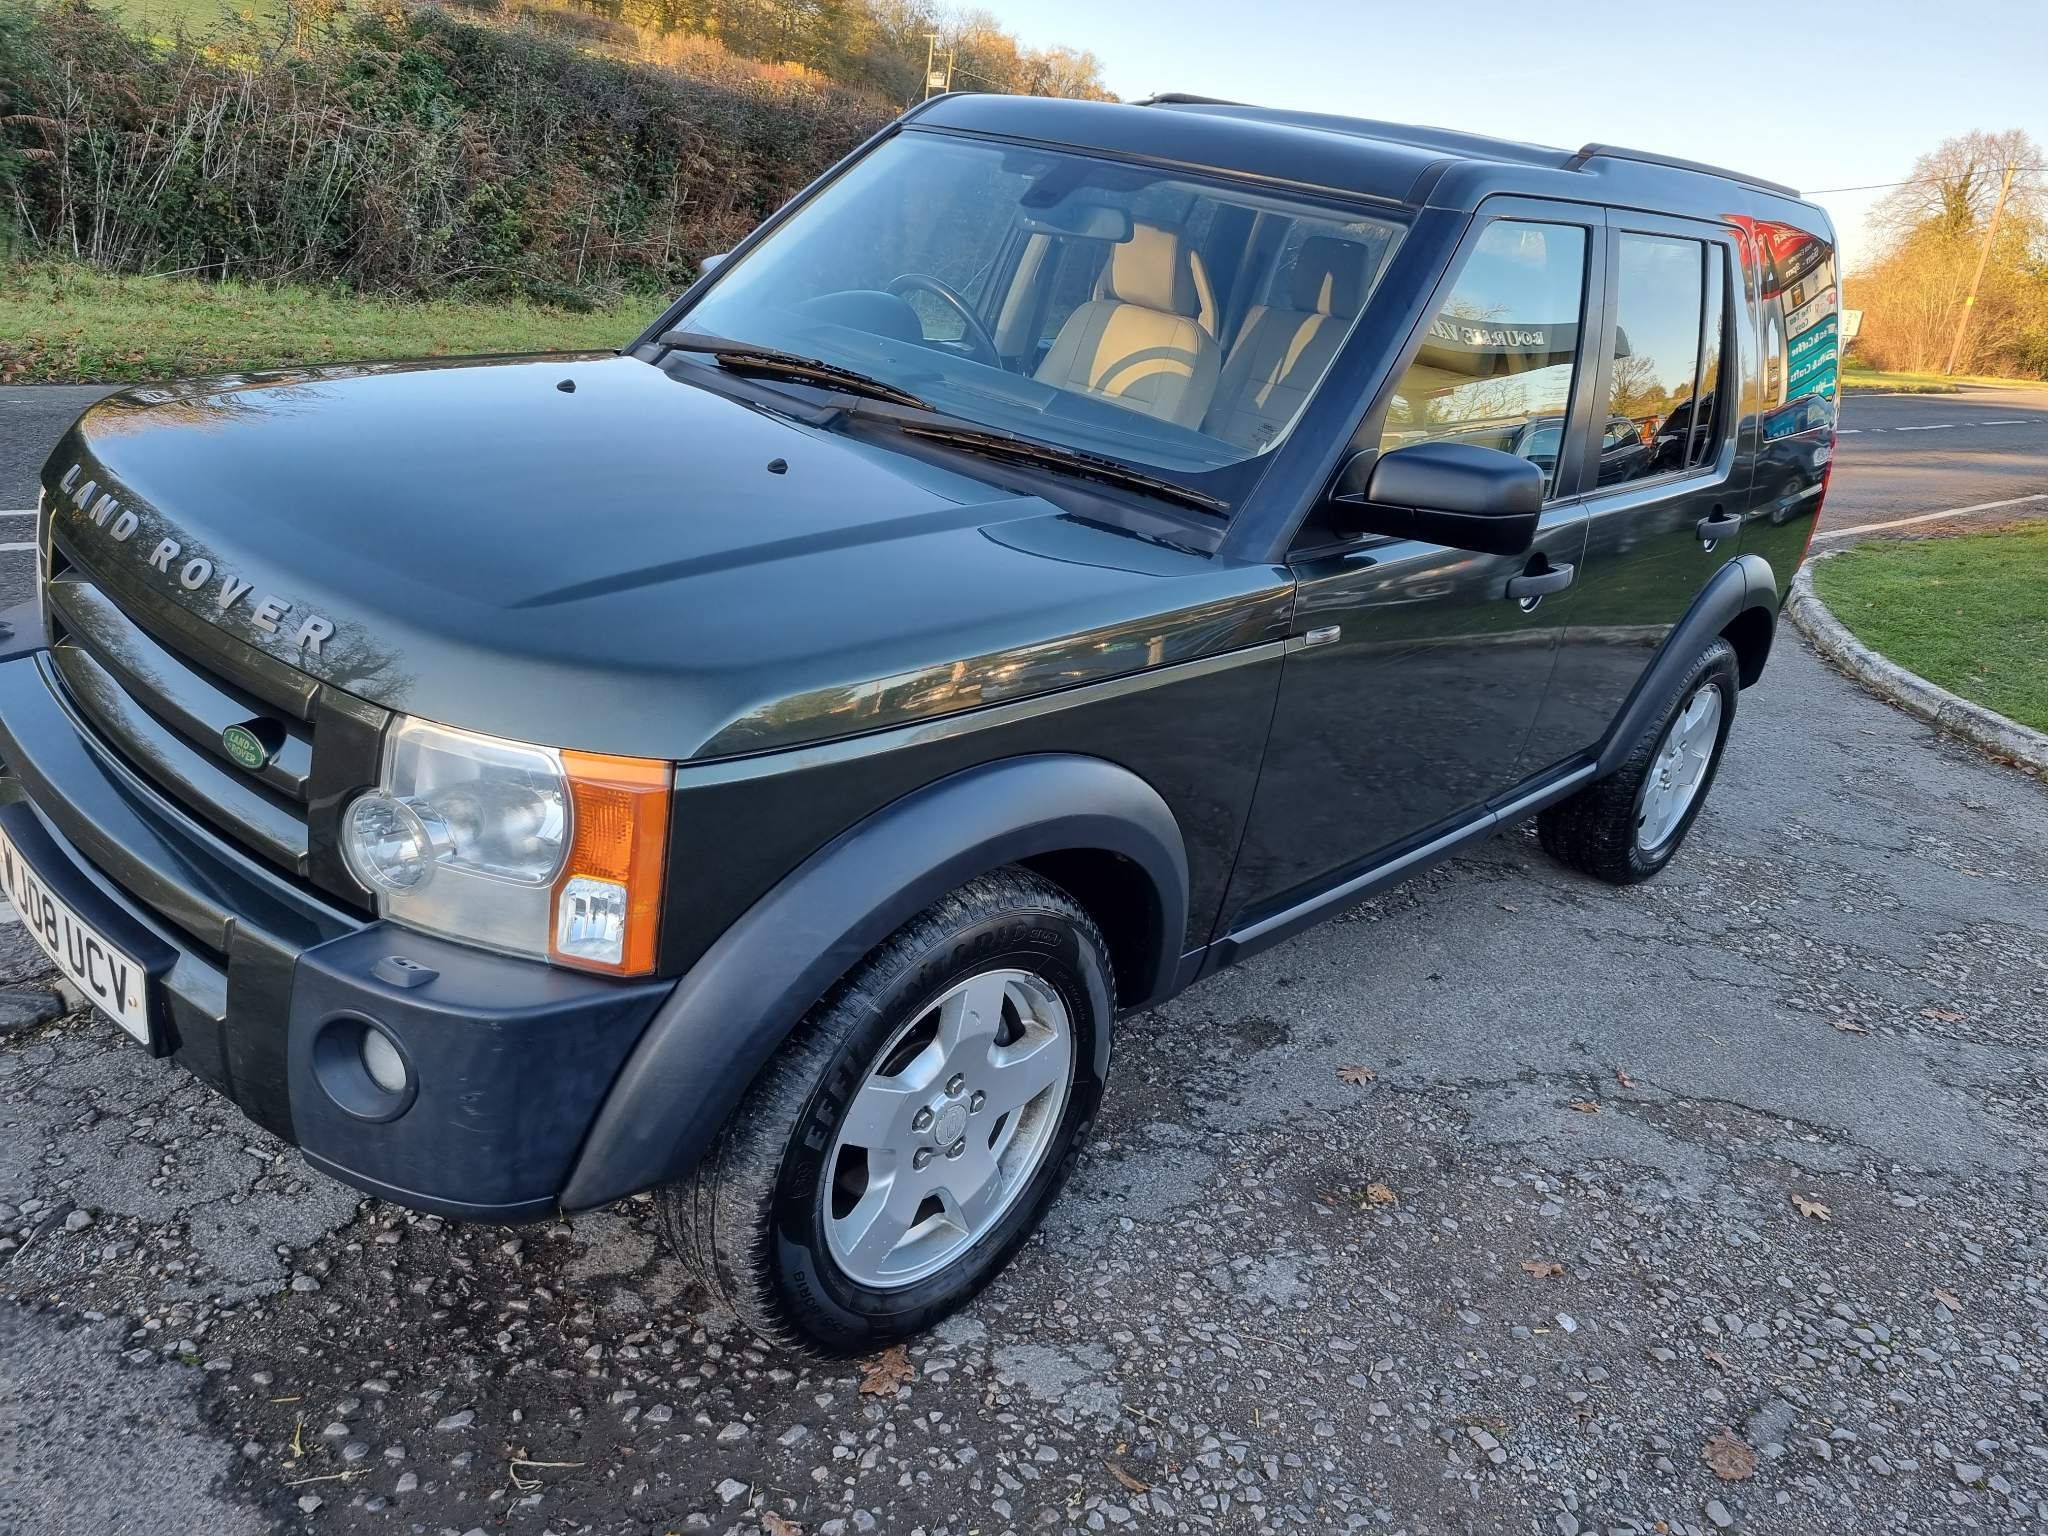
pixel 1140 342
pixel 1280 354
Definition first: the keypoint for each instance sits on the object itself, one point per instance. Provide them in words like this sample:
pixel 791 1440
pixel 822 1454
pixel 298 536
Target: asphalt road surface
pixel 1719 1202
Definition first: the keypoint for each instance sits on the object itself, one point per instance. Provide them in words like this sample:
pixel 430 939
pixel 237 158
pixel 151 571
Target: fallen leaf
pixel 1945 1015
pixel 1715 1357
pixel 1849 1026
pixel 1728 1458
pixel 773 1524
pixel 1358 1077
pixel 1509 906
pixel 1813 1210
pixel 1129 1482
pixel 1948 1299
pixel 1543 1269
pixel 887 1371
pixel 1379 1194
pixel 1584 1106
pixel 1621 1076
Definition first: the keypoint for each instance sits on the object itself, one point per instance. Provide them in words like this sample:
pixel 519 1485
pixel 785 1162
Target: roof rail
pixel 1185 99
pixel 1644 157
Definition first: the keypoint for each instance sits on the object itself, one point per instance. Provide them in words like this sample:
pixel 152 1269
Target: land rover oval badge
pixel 246 746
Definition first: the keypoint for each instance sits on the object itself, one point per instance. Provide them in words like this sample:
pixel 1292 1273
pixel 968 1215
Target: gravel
pixel 1546 1272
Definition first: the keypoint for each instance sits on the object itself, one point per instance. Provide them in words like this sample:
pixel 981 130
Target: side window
pixel 1706 415
pixel 1501 354
pixel 1073 284
pixel 1659 298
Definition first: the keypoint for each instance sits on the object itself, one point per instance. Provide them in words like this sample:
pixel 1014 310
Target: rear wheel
pixel 1626 827
pixel 912 1131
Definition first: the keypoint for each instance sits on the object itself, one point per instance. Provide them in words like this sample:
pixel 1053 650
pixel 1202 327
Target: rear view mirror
pixel 706 265
pixel 1455 494
pixel 1083 221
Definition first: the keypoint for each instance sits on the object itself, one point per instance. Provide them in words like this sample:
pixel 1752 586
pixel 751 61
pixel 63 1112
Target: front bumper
pixel 266 985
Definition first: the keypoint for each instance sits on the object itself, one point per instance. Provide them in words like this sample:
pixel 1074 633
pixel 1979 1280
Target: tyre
pixel 913 1129
pixel 1625 827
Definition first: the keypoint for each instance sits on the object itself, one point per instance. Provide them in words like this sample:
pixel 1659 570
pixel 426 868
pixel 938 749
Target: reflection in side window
pixel 1656 349
pixel 1497 362
pixel 1706 414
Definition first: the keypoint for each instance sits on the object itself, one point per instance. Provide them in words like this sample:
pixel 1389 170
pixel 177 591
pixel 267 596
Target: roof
pixel 1394 162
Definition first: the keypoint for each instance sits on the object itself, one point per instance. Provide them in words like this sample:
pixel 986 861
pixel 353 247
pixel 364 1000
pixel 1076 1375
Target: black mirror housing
pixel 1450 493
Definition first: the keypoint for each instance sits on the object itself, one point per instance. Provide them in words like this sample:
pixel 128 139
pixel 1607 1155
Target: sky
pixel 1814 93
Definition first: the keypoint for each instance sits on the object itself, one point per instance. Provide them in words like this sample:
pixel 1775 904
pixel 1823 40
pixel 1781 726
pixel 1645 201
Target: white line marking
pixel 20 512
pixel 5 547
pixel 2006 421
pixel 1933 426
pixel 1929 517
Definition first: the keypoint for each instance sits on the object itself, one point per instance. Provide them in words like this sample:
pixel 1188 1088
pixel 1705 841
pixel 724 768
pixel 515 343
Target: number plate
pixel 111 979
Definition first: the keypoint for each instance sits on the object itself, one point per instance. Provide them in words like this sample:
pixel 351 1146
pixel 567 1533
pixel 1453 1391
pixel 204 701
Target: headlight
pixel 531 850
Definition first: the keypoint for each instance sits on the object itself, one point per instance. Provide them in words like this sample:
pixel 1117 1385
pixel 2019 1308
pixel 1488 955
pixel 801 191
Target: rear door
pixel 1669 488
pixel 1413 678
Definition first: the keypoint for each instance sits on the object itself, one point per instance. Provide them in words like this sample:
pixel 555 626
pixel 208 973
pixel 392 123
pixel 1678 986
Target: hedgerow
pixel 394 148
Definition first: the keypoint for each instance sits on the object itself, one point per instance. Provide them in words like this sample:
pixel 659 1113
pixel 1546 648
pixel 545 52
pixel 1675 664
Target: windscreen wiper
pixel 1073 461
pixel 773 362
pixel 920 418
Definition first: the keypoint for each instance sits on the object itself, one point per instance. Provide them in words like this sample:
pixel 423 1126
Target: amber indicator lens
pixel 608 896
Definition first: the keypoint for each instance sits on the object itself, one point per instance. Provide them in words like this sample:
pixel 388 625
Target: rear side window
pixel 1501 354
pixel 1706 414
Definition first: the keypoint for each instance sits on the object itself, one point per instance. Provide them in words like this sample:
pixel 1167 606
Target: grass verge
pixel 62 324
pixel 1969 612
pixel 1857 381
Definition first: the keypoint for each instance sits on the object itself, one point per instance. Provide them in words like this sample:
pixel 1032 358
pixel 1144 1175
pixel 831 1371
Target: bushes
pixel 392 148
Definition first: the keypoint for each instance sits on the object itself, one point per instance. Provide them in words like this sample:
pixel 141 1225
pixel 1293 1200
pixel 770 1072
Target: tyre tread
pixel 1594 830
pixel 717 1219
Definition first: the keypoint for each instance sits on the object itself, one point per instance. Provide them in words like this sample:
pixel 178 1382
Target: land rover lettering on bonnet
pixel 1069 548
pixel 194 573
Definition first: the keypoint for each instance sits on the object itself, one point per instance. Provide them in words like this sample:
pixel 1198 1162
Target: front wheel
pixel 911 1132
pixel 1625 827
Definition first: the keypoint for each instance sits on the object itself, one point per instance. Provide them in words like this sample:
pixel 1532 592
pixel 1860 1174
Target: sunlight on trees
pixel 1932 231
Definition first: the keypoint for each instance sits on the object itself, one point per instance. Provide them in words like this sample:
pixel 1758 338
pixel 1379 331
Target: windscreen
pixel 1177 324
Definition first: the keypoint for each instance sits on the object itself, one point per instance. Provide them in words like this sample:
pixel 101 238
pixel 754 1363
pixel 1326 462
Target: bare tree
pixel 1938 242
pixel 1952 187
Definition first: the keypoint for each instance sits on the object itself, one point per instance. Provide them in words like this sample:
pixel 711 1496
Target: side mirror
pixel 1456 494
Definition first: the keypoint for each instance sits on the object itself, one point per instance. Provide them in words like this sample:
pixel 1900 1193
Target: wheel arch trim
pixel 1745 583
pixel 737 1004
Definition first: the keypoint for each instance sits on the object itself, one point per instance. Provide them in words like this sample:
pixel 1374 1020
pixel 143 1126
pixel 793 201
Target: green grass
pixel 62 324
pixel 1969 612
pixel 1857 380
pixel 198 18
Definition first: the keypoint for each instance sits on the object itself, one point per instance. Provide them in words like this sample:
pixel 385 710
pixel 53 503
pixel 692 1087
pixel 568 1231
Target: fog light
pixel 363 1068
pixel 382 1061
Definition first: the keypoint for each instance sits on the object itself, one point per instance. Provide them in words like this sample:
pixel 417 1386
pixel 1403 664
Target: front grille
pixel 160 688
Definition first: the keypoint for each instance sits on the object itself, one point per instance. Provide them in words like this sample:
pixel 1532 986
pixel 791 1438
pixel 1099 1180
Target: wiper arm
pixel 752 357
pixel 922 419
pixel 1073 461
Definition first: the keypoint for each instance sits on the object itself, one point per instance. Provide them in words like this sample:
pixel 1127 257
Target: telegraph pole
pixel 1955 351
pixel 936 79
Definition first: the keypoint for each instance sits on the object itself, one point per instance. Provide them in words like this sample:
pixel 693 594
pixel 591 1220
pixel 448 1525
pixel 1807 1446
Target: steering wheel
pixel 980 343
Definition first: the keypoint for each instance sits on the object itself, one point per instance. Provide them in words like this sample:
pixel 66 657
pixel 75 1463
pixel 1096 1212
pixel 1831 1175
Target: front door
pixel 1413 677
pixel 1670 487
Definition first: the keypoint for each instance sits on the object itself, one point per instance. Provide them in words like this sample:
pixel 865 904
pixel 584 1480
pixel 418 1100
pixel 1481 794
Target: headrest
pixel 1329 275
pixel 1151 270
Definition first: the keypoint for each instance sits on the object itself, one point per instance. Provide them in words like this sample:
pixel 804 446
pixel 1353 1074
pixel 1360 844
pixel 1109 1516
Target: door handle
pixel 1541 583
pixel 1722 525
